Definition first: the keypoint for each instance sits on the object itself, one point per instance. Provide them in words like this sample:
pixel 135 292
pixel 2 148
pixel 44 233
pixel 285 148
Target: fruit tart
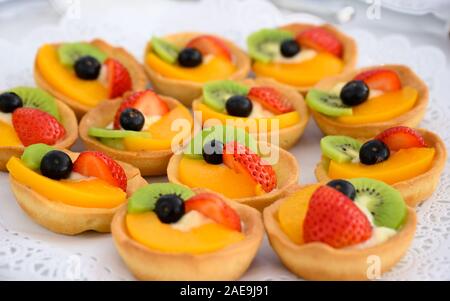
pixel 228 160
pixel 142 129
pixel 300 55
pixel 179 64
pixel 270 111
pixel 170 232
pixel 30 115
pixel 70 193
pixel 364 102
pixel 410 160
pixel 83 74
pixel 344 230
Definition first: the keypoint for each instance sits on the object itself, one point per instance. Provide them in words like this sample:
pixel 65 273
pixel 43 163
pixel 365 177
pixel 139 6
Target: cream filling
pixel 6 118
pixel 192 219
pixel 149 120
pixel 74 176
pixel 336 90
pixel 303 55
pixel 259 112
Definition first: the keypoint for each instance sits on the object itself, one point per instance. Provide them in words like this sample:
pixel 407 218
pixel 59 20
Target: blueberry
pixel 212 152
pixel 87 67
pixel 132 120
pixel 239 105
pixel 289 48
pixel 169 208
pixel 56 165
pixel 354 92
pixel 373 151
pixel 343 186
pixel 9 101
pixel 190 57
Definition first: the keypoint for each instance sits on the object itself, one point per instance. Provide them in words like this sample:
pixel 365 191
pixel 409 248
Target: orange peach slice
pixel 9 135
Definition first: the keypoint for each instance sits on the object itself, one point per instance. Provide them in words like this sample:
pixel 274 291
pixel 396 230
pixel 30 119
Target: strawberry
pixel 147 102
pixel 208 44
pixel 36 126
pixel 380 79
pixel 243 160
pixel 400 137
pixel 320 39
pixel 99 165
pixel 333 218
pixel 270 99
pixel 118 78
pixel 213 207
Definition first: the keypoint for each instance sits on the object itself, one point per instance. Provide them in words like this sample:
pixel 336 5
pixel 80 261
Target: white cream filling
pixel 6 118
pixel 259 112
pixel 336 90
pixel 192 219
pixel 303 55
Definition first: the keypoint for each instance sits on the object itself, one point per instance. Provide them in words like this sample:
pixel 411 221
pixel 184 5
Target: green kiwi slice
pixel 216 93
pixel 116 143
pixel 69 53
pixel 327 103
pixel 264 45
pixel 384 202
pixel 165 50
pixel 144 198
pixel 37 98
pixel 33 154
pixel 107 133
pixel 340 148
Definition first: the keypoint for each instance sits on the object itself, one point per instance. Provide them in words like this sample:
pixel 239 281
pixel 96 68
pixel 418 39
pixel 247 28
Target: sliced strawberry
pixel 320 39
pixel 99 165
pixel 36 126
pixel 270 99
pixel 243 160
pixel 147 102
pixel 333 218
pixel 381 79
pixel 119 80
pixel 213 207
pixel 401 137
pixel 208 44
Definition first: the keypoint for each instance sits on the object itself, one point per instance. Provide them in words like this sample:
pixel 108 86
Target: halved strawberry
pixel 119 80
pixel 243 160
pixel 213 207
pixel 381 79
pixel 36 126
pixel 99 165
pixel 320 39
pixel 208 44
pixel 333 218
pixel 147 102
pixel 270 99
pixel 401 137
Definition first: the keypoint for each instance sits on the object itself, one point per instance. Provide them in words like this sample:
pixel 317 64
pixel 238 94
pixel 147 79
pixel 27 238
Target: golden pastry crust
pixel 68 120
pixel 184 90
pixel 138 77
pixel 150 163
pixel 412 118
pixel 350 53
pixel 287 137
pixel 66 219
pixel 286 169
pixel 148 264
pixel 318 261
pixel 417 189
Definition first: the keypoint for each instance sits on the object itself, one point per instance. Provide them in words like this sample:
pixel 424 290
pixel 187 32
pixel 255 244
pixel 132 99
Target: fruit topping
pixel 213 207
pixel 69 53
pixel 243 160
pixel 36 126
pixel 37 98
pixel 169 208
pixel 373 151
pixel 33 154
pixel 56 165
pixel 321 40
pixel 333 218
pixel 265 44
pixel 87 67
pixel 118 78
pixel 381 79
pixel 239 105
pixel 354 92
pixel 343 186
pixel 270 99
pixel 190 57
pixel 107 133
pixel 99 165
pixel 289 48
pixel 9 101
pixel 165 50
pixel 216 94
pixel 327 103
pixel 400 137
pixel 340 148
pixel 132 119
pixel 208 44
pixel 213 151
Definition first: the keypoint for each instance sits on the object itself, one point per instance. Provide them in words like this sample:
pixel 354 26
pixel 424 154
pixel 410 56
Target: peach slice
pixel 9 135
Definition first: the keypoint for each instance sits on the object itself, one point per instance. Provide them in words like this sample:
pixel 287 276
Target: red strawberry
pixel 400 137
pixel 270 99
pixel 333 218
pixel 208 44
pixel 99 165
pixel 320 39
pixel 145 101
pixel 213 207
pixel 380 79
pixel 243 160
pixel 119 80
pixel 36 126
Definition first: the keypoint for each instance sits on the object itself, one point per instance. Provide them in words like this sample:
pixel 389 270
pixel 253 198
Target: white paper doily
pixel 28 251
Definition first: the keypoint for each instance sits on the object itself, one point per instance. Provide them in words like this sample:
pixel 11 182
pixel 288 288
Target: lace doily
pixel 28 251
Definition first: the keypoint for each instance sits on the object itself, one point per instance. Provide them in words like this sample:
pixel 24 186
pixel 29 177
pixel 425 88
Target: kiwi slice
pixel 340 148
pixel 144 198
pixel 33 154
pixel 116 143
pixel 107 133
pixel 384 202
pixel 165 50
pixel 69 53
pixel 264 45
pixel 327 103
pixel 37 98
pixel 216 93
